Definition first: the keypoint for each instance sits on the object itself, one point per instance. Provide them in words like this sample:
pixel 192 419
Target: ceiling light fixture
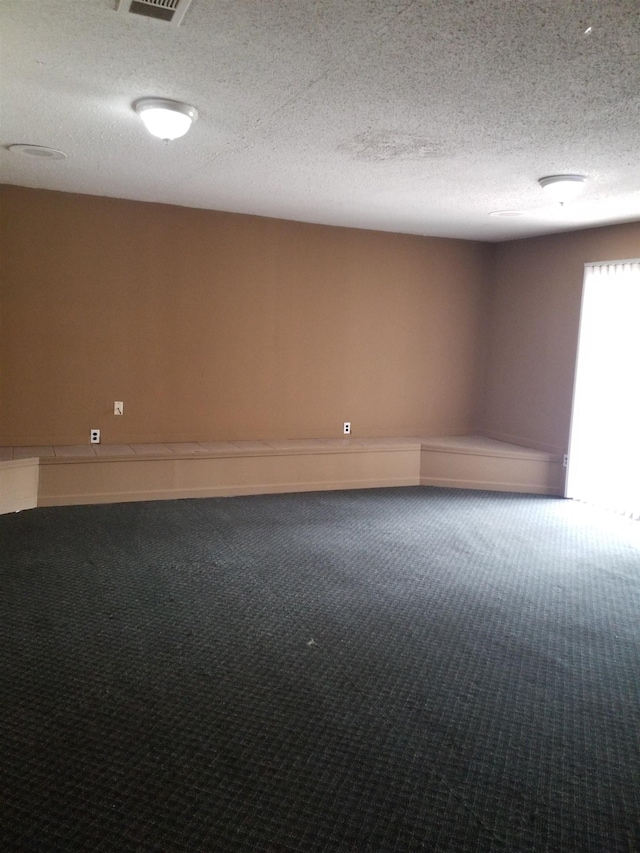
pixel 165 119
pixel 507 214
pixel 39 151
pixel 562 188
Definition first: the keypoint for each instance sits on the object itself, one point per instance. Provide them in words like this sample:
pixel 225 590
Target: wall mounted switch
pixel 118 408
pixel 95 436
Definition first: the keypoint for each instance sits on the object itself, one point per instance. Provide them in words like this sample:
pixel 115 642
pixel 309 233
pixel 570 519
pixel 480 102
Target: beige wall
pixel 215 326
pixel 532 331
pixel 219 326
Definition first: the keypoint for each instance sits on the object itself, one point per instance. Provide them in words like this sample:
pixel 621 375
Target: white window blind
pixel 604 454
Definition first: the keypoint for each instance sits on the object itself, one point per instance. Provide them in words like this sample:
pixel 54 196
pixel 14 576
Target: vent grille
pixel 171 11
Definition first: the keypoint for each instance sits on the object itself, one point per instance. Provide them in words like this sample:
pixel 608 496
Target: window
pixel 604 452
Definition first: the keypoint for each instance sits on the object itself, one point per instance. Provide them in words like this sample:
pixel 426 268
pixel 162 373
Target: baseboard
pixel 223 492
pixel 490 486
pixel 134 479
pixel 468 464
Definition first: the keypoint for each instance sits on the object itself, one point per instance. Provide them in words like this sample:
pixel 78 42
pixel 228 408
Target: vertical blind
pixel 604 454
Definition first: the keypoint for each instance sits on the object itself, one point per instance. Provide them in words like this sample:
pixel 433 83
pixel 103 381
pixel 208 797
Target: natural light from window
pixel 604 453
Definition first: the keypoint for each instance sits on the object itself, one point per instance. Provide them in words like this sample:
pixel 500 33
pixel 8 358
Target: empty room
pixel 319 471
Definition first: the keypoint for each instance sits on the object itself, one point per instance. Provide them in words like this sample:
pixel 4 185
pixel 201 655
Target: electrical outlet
pixel 95 436
pixel 565 460
pixel 347 428
pixel 118 408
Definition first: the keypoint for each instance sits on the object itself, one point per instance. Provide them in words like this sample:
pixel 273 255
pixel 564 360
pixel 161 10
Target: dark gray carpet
pixel 389 670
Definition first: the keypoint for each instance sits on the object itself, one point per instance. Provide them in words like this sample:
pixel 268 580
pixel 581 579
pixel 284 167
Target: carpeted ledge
pixel 386 670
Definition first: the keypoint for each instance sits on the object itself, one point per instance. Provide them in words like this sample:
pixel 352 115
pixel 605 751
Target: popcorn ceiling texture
pixel 396 115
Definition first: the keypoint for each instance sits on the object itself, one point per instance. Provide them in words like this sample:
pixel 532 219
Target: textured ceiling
pixel 420 116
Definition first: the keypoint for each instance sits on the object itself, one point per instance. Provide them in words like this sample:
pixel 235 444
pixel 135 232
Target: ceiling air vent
pixel 171 11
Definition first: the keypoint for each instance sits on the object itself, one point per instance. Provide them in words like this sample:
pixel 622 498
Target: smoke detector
pixel 171 11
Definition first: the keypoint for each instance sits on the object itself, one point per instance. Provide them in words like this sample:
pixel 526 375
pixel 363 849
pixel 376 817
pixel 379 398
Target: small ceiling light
pixel 507 214
pixel 38 151
pixel 562 188
pixel 165 119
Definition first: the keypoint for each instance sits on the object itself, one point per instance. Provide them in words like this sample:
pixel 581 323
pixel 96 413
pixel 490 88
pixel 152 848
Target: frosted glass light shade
pixel 165 119
pixel 563 188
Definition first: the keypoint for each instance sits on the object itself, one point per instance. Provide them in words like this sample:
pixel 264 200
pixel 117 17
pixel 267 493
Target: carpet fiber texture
pixel 386 671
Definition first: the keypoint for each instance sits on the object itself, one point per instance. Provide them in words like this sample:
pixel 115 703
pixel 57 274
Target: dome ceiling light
pixel 164 118
pixel 562 188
